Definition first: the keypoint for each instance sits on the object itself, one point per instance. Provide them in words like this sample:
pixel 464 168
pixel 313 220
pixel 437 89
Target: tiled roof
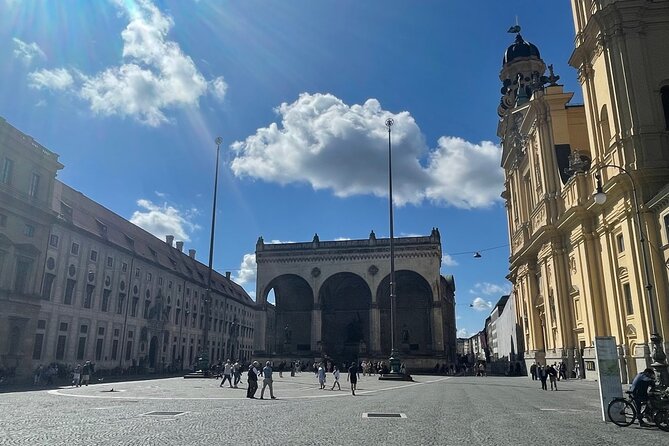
pixel 93 218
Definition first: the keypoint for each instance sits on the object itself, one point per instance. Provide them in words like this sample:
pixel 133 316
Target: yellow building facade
pixel 577 266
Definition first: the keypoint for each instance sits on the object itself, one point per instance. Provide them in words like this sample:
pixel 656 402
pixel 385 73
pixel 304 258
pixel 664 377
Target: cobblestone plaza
pixel 438 410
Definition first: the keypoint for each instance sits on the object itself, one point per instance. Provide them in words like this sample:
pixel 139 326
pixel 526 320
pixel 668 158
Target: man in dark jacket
pixel 252 379
pixel 639 389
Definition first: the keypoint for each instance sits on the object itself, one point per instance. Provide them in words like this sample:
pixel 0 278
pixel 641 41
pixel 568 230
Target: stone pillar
pixel 375 329
pixel 316 327
pixel 438 338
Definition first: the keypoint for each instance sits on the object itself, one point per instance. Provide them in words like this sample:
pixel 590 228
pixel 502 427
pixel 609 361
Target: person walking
pixel 267 380
pixel 227 373
pixel 552 376
pixel 335 375
pixel 639 390
pixel 353 377
pixel 252 379
pixel 542 372
pixel 282 366
pixel 76 376
pixel 533 371
pixel 320 372
pixel 86 372
pixel 237 372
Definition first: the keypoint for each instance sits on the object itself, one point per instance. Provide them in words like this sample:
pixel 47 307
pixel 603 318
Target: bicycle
pixel 655 412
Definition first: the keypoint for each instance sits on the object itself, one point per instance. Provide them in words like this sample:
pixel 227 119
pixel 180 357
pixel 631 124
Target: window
pixel 98 349
pixel 128 351
pixel 53 240
pixel 105 300
pixel 47 286
pixel 34 186
pixel 620 243
pixel 94 255
pixel 81 348
pixel 22 273
pixel 119 305
pixel 83 329
pixel 160 280
pixel 74 250
pixel 88 300
pixel 666 226
pixel 7 169
pixel 169 284
pixel 137 272
pixel 124 267
pixel 117 332
pixel 135 302
pixel 101 331
pixel 147 304
pixel 664 92
pixel 41 324
pixel 3 220
pixel 110 262
pixel 114 351
pixel 37 347
pixel 60 347
pixel 629 305
pixel 148 277
pixel 29 230
pixel 63 326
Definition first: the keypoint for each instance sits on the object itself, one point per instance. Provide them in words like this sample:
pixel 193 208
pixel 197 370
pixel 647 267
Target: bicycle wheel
pixel 662 419
pixel 621 412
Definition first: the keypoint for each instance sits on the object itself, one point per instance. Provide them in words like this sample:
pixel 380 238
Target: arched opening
pixel 413 319
pixel 345 302
pixel 294 304
pixel 664 93
pixel 153 352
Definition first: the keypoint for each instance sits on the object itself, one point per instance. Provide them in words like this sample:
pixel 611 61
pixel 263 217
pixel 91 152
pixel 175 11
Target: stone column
pixel 375 329
pixel 438 346
pixel 316 327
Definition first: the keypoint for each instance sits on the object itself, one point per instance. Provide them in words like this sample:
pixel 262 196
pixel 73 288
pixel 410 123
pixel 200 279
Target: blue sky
pixel 132 94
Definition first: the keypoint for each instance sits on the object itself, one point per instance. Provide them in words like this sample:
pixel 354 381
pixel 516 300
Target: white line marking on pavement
pixel 179 398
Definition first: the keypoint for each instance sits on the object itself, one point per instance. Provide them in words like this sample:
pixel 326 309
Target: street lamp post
pixel 207 301
pixel 658 355
pixel 394 360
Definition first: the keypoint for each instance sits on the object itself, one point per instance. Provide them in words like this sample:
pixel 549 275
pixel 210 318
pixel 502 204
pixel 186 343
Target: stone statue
pixel 405 334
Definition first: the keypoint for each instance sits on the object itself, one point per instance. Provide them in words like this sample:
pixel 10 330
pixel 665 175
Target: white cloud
pixel 164 220
pixel 490 289
pixel 481 305
pixel 155 74
pixel 464 333
pixel 58 79
pixel 27 51
pixel 247 270
pixel 160 194
pixel 218 88
pixel 447 260
pixel 328 144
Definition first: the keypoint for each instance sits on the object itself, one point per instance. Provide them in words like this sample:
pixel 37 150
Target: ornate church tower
pixel 584 267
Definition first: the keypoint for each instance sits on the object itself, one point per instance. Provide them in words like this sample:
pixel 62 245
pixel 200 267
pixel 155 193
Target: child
pixel 335 374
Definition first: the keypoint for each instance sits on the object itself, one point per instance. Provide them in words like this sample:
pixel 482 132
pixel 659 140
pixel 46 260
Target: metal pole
pixel 207 301
pixel 659 357
pixel 389 124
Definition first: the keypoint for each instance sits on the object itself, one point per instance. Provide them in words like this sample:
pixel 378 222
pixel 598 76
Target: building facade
pixel 578 266
pixel 332 299
pixel 90 285
pixel 26 184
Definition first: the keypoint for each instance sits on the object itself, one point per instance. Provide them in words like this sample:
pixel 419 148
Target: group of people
pixel 353 372
pixel 548 372
pixel 228 371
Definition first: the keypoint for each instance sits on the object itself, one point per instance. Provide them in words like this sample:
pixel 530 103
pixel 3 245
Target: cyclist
pixel 639 390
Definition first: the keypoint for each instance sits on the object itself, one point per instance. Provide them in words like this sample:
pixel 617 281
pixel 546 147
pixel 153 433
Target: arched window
pixel 605 128
pixel 664 92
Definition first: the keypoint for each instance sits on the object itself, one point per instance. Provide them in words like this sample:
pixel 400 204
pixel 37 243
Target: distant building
pixel 333 300
pixel 78 282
